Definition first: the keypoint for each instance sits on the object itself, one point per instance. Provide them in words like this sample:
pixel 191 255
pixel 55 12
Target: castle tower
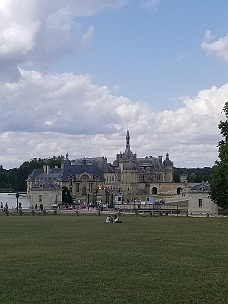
pixel 168 169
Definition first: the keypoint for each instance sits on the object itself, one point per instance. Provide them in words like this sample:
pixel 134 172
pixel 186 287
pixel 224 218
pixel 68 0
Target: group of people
pixel 114 220
pixel 41 207
pixel 3 209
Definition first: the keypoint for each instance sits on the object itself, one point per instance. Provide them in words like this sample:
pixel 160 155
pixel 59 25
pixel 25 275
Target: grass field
pixel 79 259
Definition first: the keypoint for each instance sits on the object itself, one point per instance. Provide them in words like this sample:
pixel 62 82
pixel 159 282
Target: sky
pixel 75 75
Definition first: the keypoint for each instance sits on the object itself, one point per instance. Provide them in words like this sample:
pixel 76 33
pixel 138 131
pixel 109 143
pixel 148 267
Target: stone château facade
pixel 128 174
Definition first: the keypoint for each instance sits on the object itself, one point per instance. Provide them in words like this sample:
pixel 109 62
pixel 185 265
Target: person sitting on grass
pixel 108 219
pixel 117 219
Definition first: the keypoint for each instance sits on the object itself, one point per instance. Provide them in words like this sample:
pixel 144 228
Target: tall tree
pixel 219 180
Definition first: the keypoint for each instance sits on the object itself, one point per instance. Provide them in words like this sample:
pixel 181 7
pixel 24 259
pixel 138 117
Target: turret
pixel 168 169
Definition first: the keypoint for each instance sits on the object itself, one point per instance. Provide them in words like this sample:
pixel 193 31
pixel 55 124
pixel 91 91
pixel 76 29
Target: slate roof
pixel 203 187
pixel 99 162
pixel 35 173
pixel 54 173
pixel 68 171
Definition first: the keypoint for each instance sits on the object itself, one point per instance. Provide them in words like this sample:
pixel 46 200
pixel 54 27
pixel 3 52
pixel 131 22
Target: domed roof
pixel 116 163
pixel 167 162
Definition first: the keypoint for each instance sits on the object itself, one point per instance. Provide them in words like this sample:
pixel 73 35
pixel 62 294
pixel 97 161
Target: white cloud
pixel 208 35
pixel 219 47
pixel 42 114
pixel 46 30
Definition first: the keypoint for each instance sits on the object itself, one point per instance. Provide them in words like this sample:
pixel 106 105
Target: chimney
pixel 160 159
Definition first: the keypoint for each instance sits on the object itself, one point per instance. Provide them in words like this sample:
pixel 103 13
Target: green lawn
pixel 79 259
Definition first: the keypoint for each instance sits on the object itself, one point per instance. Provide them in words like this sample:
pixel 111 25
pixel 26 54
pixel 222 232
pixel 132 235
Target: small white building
pixel 45 196
pixel 199 202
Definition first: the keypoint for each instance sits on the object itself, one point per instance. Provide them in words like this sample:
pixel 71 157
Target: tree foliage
pixel 194 175
pixel 66 196
pixel 15 179
pixel 219 180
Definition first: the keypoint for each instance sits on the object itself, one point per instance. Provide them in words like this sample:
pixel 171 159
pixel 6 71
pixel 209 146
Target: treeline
pixel 193 175
pixel 15 179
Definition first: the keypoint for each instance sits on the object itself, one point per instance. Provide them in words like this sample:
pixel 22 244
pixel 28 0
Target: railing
pixel 146 207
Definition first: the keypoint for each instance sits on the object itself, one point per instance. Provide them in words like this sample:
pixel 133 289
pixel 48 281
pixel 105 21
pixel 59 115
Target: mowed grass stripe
pixel 79 259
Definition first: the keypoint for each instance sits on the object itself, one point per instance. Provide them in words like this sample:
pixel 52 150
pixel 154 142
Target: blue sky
pixel 75 73
pixel 154 55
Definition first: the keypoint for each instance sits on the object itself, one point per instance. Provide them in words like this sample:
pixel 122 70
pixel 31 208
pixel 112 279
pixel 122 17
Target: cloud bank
pixel 45 114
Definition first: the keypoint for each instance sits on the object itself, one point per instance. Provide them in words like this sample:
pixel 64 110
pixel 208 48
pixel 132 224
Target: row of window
pixel 111 179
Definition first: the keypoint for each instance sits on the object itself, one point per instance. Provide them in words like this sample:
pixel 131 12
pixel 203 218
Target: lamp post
pixel 112 199
pixel 17 197
pixel 106 196
pixel 66 193
pixel 95 196
pixel 95 190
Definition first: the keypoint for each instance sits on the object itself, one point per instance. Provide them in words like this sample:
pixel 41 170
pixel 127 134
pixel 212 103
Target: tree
pixel 192 177
pixel 66 196
pixel 176 175
pixel 219 179
pixel 16 178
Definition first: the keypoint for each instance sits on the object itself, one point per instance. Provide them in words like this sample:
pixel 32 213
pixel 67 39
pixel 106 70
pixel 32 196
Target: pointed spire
pixel 66 161
pixel 67 154
pixel 128 153
pixel 128 140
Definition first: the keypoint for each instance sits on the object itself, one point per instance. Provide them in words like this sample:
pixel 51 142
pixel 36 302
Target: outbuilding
pixel 199 202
